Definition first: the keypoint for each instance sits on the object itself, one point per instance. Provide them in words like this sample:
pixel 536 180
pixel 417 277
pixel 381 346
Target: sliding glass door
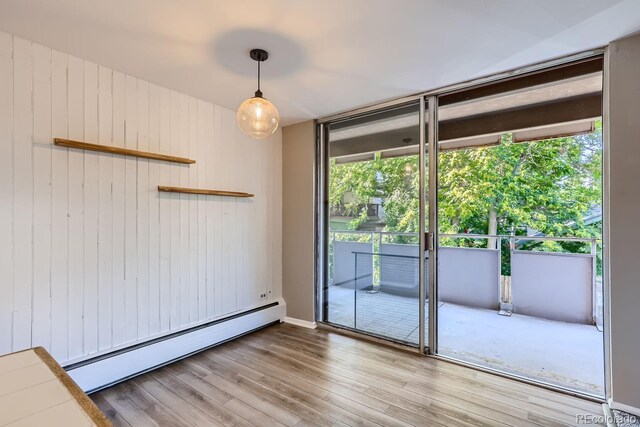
pixel 520 227
pixel 468 224
pixel 374 195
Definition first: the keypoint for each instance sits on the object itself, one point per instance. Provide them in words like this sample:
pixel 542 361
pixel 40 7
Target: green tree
pixel 546 186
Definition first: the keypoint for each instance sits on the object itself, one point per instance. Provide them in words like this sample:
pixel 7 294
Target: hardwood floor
pixel 287 375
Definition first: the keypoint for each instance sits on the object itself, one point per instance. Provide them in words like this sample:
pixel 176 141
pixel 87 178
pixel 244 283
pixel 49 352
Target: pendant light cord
pixel 259 55
pixel 258 92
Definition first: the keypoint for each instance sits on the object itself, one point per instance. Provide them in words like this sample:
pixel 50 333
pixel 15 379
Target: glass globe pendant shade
pixel 258 118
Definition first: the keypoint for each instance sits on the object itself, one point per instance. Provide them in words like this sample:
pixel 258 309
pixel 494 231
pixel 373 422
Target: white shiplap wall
pixel 92 257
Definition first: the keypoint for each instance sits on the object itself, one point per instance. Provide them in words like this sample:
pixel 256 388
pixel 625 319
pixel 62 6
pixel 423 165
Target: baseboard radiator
pixel 111 368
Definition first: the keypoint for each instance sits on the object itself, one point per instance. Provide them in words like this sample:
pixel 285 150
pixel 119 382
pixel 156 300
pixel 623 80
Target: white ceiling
pixel 325 56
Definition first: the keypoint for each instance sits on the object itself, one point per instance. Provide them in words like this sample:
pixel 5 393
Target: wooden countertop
pixel 36 391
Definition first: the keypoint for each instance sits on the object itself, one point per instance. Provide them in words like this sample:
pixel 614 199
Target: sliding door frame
pixel 321 185
pixel 428 235
pixel 423 240
pixel 432 245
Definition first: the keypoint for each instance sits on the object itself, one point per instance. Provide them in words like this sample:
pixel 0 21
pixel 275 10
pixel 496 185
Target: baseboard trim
pixel 109 369
pixel 625 408
pixel 300 322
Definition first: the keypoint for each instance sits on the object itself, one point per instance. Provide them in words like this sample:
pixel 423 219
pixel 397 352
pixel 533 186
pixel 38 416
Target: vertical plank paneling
pixel 243 225
pixel 154 212
pixel 259 223
pixel 185 287
pixel 194 295
pixel 91 171
pixel 6 192
pixel 269 211
pixel 256 286
pixel 42 196
pixel 130 214
pixel 201 263
pixel 209 204
pixel 59 210
pixel 164 170
pixel 275 227
pixel 118 194
pixel 75 100
pixel 229 220
pixel 143 211
pixel 253 235
pixel 105 210
pixel 22 192
pixel 217 213
pixel 175 249
pixel 93 257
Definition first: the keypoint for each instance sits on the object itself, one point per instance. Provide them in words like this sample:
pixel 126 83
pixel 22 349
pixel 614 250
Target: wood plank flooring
pixel 285 375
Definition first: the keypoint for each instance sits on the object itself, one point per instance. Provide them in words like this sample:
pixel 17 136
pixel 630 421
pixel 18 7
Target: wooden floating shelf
pixel 166 189
pixel 122 151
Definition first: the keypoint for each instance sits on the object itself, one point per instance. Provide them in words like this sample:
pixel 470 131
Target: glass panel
pixel 520 223
pixel 373 192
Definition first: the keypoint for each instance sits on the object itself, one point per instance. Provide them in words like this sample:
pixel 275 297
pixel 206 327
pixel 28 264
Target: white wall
pixel 92 257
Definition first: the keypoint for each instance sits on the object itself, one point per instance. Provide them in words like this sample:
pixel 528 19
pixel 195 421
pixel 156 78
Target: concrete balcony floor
pixel 563 354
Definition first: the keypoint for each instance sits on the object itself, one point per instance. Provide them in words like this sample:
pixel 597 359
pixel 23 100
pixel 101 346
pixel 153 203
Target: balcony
pixel 542 320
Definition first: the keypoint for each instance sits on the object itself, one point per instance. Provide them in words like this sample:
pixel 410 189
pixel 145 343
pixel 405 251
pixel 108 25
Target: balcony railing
pixel 509 277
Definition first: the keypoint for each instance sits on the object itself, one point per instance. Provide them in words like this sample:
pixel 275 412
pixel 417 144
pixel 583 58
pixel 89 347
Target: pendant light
pixel 256 116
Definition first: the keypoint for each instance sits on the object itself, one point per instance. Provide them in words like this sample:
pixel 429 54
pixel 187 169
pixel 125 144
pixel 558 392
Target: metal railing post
pixel 376 278
pixel 594 274
pixel 355 286
pixel 501 287
pixel 333 256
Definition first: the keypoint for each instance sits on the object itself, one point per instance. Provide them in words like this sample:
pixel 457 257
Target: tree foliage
pixel 548 186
